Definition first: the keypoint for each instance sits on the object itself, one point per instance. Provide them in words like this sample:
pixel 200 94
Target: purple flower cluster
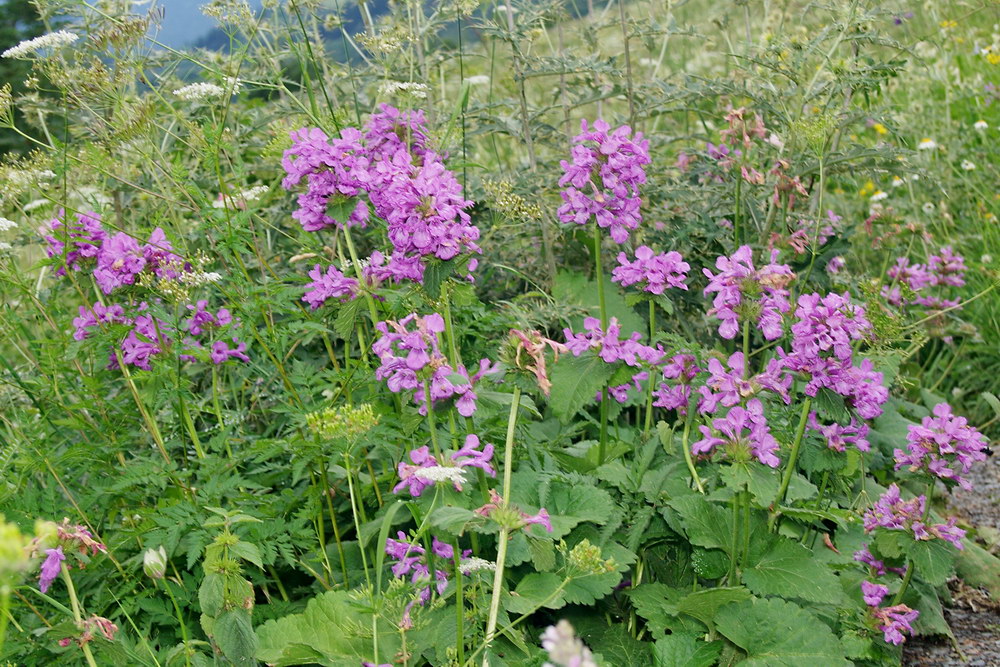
pixel 612 349
pixel 743 292
pixel 425 470
pixel 331 284
pixel 743 433
pixel 405 182
pixel 733 386
pixel 683 369
pixel 822 352
pixel 864 555
pixel 150 336
pixel 944 270
pixel 891 512
pixel 410 357
pixel 892 621
pixel 655 272
pixel 411 559
pixel 602 181
pixel 496 506
pixel 838 436
pixel 76 243
pixel 75 537
pixel 944 445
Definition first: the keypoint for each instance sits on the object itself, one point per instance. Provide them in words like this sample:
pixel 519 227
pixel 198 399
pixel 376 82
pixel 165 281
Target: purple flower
pixel 542 519
pixel 838 437
pixel 894 621
pixel 422 458
pixel 50 568
pixel 947 268
pixel 828 324
pixel 221 352
pixel 330 285
pixel 891 512
pixel 99 314
pixel 744 292
pixel 602 181
pixel 680 367
pixel 943 444
pixel 658 272
pixel 739 446
pixel 203 320
pixel 85 238
pixel 469 455
pixel 873 593
pixel 731 387
pixel 410 559
pixel 119 260
pixel 610 347
pixel 836 265
pixel 159 256
pixel 915 276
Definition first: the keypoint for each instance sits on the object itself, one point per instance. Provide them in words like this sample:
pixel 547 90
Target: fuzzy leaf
pixel 703 605
pixel 575 382
pixel 775 633
pixel 787 569
pixel 685 650
pixel 235 637
pixel 538 589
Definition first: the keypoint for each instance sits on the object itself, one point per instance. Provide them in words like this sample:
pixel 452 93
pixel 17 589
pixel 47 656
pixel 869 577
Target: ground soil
pixel 973 615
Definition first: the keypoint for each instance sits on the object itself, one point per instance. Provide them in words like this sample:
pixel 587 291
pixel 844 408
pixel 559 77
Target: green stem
pixel 652 371
pixel 503 537
pixel 180 620
pixel 430 420
pixel 734 550
pixel 792 459
pixel 333 522
pixel 909 562
pixel 602 447
pixel 687 449
pixel 75 604
pixel 459 602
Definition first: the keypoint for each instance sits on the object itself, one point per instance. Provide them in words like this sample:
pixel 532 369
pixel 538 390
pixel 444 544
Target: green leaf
pixel 575 382
pixel 340 208
pixel 538 589
pixel 776 633
pixel 787 569
pixel 934 560
pixel 762 482
pixel 235 636
pixel 707 525
pixel 211 594
pixel 685 650
pixel 346 318
pixel 332 631
pixel 703 605
pixel 567 504
pixel 656 602
pixel 248 552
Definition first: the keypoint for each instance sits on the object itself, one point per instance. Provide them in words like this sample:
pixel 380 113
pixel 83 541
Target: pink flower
pixel 50 568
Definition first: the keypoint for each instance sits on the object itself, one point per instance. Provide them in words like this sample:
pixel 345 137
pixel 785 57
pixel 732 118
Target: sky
pixel 183 23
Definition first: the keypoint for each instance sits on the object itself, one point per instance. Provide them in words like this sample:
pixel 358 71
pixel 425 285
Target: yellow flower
pixel 948 24
pixel 993 58
pixel 880 128
pixel 867 189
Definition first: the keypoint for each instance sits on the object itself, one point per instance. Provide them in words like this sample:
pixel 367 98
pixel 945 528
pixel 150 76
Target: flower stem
pixel 909 562
pixel 599 278
pixel 687 449
pixel 792 459
pixel 503 537
pixel 651 382
pixel 75 604
pixel 430 421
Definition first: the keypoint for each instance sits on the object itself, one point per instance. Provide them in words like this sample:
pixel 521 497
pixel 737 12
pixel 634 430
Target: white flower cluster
pixel 413 89
pixel 475 564
pixel 927 145
pixel 22 178
pixel 6 224
pixel 252 194
pixel 442 474
pixel 199 278
pixel 51 40
pixel 5 247
pixel 564 648
pixel 197 92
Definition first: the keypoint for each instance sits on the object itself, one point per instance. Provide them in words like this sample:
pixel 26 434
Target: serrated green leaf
pixel 934 560
pixel 233 632
pixel 787 569
pixel 248 552
pixel 211 594
pixel 703 605
pixel 685 650
pixel 706 524
pixel 347 316
pixel 538 589
pixel 575 382
pixel 776 633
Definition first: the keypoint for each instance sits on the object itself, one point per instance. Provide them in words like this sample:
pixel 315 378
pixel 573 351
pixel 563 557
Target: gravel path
pixel 974 617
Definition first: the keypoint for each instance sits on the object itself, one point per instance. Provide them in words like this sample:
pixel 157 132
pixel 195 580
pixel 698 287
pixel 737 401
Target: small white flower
pixel 478 80
pixel 897 182
pixel 929 207
pixel 914 177
pixel 417 90
pixel 879 196
pixel 242 197
pixel 51 40
pixel 475 564
pixel 980 125
pixel 197 92
pixel 199 278
pixel 776 141
pixel 4 246
pixel 986 259
pixel 6 224
pixel 35 203
pixel 451 474
pixel 968 165
pixel 927 145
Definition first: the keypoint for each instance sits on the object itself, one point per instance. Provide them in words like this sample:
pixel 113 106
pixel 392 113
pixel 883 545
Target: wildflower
pixel 741 129
pixel 863 555
pixel 947 268
pixel 119 260
pixel 891 512
pixel 329 285
pixel 52 40
pixel 836 265
pixel 609 346
pixel 75 244
pixel 879 128
pixel 980 125
pixel 470 455
pixel 442 474
pixel 405 88
pixel 894 621
pixel 740 447
pixel 731 387
pixel 927 145
pixel 564 648
pixel 680 367
pixel 5 247
pixel 221 352
pixel 512 517
pixel 240 199
pixel 198 92
pixel 154 562
pixel 944 445
pixel 658 272
pixel 50 568
pixel 928 207
pixel 873 593
pixel 533 344
pixel 743 292
pixel 105 627
pixel 603 179
pixel 408 479
pixel 879 196
pixel 967 165
pixel 838 437
pixel 475 564
pixel 6 224
pixel 897 182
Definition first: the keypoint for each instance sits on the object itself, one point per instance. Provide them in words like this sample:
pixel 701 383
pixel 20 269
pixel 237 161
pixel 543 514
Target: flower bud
pixel 154 563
